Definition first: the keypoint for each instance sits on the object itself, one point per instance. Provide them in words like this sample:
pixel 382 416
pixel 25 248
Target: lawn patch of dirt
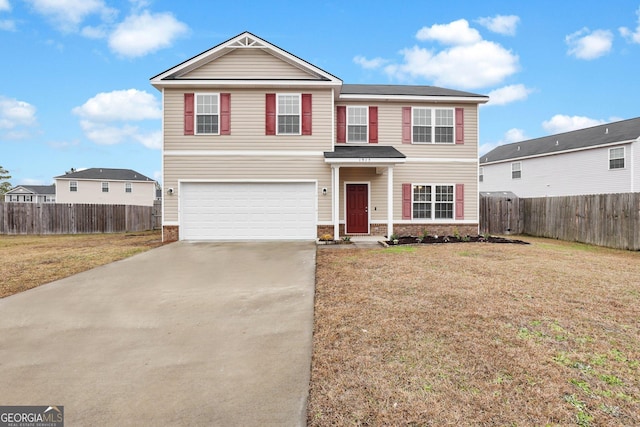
pixel 477 334
pixel 30 261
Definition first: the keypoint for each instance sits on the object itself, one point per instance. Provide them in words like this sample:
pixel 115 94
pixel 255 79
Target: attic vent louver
pixel 518 148
pixel 557 143
pixel 606 131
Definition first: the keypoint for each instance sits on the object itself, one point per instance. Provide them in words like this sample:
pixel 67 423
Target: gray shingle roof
pixel 359 89
pixel 625 130
pixel 368 151
pixel 37 189
pixel 108 174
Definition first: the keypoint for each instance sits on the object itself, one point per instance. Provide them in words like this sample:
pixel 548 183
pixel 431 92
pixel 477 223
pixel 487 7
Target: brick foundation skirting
pixel 170 233
pixel 411 229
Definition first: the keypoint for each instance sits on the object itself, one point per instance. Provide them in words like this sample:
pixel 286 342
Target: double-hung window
pixel 616 158
pixel 433 201
pixel 516 170
pixel 433 125
pixel 105 187
pixel 73 186
pixel 127 187
pixel 357 124
pixel 481 174
pixel 288 114
pixel 207 113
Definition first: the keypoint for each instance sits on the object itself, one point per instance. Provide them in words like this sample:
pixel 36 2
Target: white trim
pixel 446 99
pixel 244 153
pixel 171 223
pixel 195 112
pixel 368 184
pixel 366 123
pixel 592 147
pixel 440 160
pixel 299 96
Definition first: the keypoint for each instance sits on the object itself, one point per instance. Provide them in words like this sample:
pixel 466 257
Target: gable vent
pixel 518 148
pixel 557 143
pixel 606 131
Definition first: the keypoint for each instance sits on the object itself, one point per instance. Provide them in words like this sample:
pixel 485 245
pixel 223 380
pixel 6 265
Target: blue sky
pixel 75 89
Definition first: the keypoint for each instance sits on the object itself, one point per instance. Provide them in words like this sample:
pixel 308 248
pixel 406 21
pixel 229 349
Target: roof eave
pixel 409 98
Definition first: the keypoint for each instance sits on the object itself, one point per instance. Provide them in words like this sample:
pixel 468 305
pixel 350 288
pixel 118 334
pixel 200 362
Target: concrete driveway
pixel 186 334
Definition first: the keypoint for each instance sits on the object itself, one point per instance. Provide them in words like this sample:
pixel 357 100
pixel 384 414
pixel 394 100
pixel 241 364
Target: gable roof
pixel 106 174
pixel 175 76
pixel 365 91
pixel 33 189
pixel 606 134
pixel 364 151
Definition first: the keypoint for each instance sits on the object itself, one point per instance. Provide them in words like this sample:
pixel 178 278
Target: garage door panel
pixel 248 211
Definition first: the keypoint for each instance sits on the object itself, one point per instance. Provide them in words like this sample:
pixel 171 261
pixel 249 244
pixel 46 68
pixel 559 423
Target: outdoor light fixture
pixel 170 191
pixel 324 191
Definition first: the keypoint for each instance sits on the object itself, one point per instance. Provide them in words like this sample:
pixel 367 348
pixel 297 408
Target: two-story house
pixel 259 144
pixel 105 186
pixel 596 160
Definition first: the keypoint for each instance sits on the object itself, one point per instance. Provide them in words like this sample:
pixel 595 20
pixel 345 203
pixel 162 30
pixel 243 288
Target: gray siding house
pixel 597 160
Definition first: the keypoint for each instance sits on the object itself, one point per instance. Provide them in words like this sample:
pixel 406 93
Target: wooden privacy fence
pixel 611 220
pixel 62 218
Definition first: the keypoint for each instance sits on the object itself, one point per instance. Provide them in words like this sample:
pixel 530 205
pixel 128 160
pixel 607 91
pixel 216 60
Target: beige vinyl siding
pixel 438 173
pixel 248 123
pixel 247 64
pixel 241 168
pixel 390 130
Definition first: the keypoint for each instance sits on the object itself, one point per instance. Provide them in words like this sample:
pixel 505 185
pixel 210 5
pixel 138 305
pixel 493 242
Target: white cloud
pixel 369 64
pixel 632 36
pixel 108 118
pixel 512 135
pixel 588 45
pixel 455 33
pixel 4 5
pixel 124 105
pixel 562 123
pixel 7 25
pixel 141 34
pixel 501 24
pixel 490 62
pixel 14 113
pixel 508 94
pixel 67 15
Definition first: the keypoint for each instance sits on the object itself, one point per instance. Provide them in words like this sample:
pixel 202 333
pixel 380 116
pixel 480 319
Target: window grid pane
pixel 207 124
pixel 444 134
pixel 289 114
pixel 207 113
pixel 357 122
pixel 289 124
pixel 616 158
pixel 422 201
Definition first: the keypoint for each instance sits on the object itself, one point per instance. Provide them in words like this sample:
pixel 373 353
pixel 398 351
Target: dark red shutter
pixel 406 201
pixel 188 113
pixel 270 118
pixel 459 201
pixel 225 114
pixel 373 125
pixel 459 125
pixel 306 114
pixel 406 125
pixel 341 135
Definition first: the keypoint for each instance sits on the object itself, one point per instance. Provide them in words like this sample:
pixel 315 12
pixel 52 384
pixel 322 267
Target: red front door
pixel 357 208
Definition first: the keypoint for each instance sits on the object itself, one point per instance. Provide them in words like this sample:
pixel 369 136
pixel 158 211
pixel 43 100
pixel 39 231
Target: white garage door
pixel 248 211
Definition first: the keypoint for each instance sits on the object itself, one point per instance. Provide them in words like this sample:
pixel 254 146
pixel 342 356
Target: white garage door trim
pixel 248 210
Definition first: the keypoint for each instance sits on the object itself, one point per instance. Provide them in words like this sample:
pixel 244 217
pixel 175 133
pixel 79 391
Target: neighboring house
pixel 31 194
pixel 597 160
pixel 259 144
pixel 105 186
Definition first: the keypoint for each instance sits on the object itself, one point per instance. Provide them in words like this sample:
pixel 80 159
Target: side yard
pixel 477 334
pixel 30 261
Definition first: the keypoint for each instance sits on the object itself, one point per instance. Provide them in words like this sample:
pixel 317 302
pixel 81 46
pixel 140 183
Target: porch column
pixel 389 201
pixel 336 201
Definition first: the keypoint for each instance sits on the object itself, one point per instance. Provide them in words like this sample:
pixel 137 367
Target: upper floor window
pixel 207 113
pixel 288 114
pixel 616 158
pixel 105 187
pixel 433 125
pixel 516 170
pixel 73 186
pixel 127 187
pixel 481 174
pixel 357 120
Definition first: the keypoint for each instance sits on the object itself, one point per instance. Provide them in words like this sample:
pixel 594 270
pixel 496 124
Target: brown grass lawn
pixel 30 261
pixel 477 334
